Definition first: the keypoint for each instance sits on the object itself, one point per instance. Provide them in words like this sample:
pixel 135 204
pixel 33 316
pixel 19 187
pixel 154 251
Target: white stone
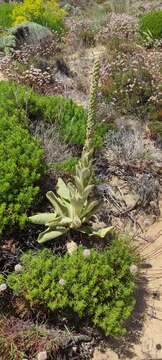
pixel 42 355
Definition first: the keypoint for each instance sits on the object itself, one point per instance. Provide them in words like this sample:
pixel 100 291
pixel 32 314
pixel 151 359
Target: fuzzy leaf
pixel 43 218
pixel 65 221
pixel 79 184
pixel 86 230
pixel 62 189
pixel 50 235
pixel 90 208
pixel 57 203
pixel 102 232
pixel 88 190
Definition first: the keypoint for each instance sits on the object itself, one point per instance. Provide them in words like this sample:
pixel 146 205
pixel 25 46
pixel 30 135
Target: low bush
pixel 130 89
pixel 7 43
pixel 117 28
pixel 56 151
pixel 68 166
pixel 155 123
pixel 69 117
pixel 21 166
pixel 151 23
pixel 6 15
pixel 2 279
pixel 47 13
pixel 126 146
pixel 156 128
pixel 28 340
pixel 93 285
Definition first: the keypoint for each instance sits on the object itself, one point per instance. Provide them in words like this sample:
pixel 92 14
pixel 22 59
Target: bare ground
pixel 1 76
pixel 146 341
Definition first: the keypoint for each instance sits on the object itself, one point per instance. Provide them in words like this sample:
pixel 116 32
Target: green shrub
pixel 69 117
pixel 156 128
pixel 151 22
pixel 67 166
pixel 21 167
pixel 99 287
pixel 7 43
pixel 47 13
pixel 6 15
pixel 2 279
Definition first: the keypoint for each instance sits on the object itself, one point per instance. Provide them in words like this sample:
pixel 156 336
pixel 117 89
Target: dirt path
pixel 148 345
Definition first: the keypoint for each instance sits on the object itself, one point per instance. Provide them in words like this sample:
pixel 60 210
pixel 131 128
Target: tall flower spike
pixel 92 105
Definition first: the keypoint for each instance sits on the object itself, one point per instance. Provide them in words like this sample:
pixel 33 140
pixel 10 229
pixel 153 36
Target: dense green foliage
pixel 20 169
pixel 98 287
pixel 21 164
pixel 152 22
pixel 67 166
pixel 6 15
pixel 156 128
pixel 69 117
pixel 47 13
pixel 2 279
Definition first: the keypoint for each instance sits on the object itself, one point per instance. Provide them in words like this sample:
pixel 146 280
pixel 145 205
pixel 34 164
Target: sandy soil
pixel 145 342
pixel 1 76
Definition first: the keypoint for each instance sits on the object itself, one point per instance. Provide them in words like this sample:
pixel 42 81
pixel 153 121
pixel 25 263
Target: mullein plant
pixel 72 204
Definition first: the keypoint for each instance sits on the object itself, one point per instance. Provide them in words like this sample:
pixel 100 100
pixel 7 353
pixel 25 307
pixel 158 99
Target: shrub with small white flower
pixel 120 26
pixel 85 284
pixel 127 82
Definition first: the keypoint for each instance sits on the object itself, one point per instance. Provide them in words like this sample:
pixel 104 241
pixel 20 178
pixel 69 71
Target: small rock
pixel 42 355
pixel 158 346
pixel 75 348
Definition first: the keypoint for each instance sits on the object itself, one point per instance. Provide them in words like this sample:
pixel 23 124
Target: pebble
pixel 42 355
